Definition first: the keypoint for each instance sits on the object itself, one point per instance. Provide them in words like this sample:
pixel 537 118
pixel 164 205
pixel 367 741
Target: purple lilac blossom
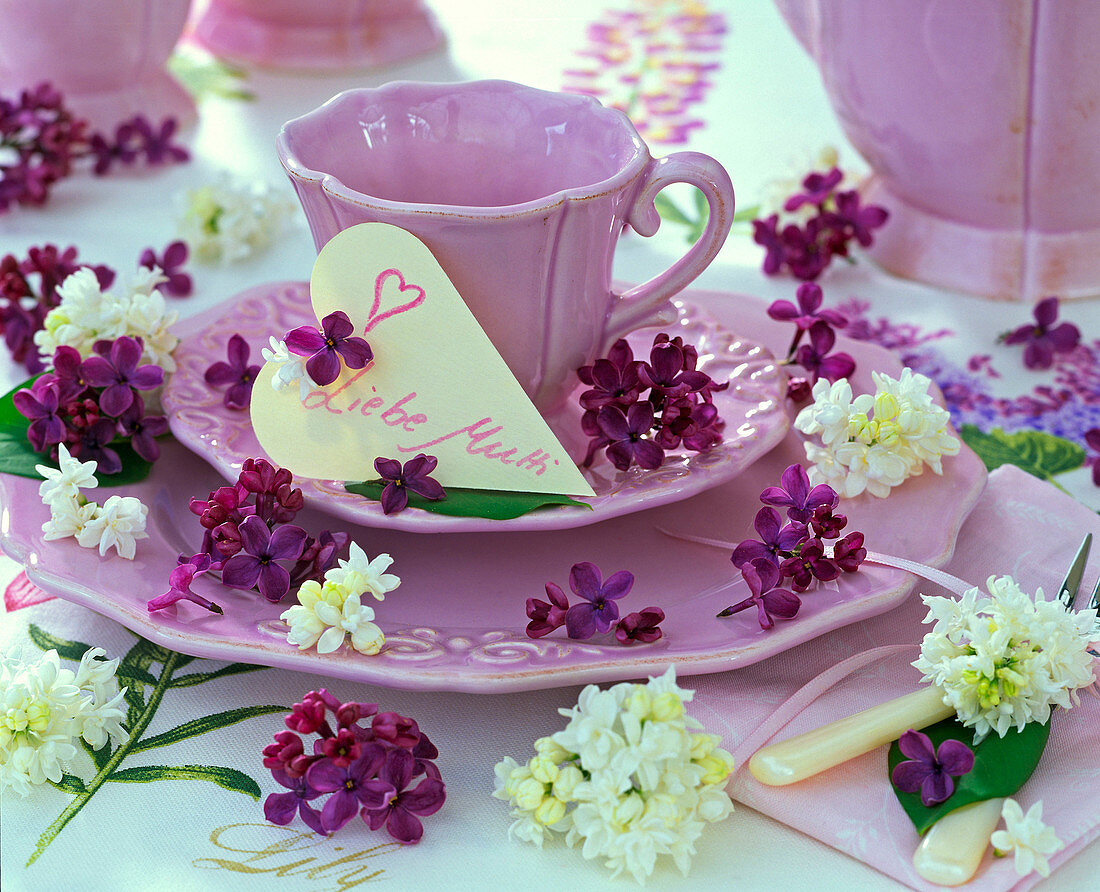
pixel 794 494
pixel 414 476
pixel 171 263
pixel 762 576
pixel 258 562
pixel 546 617
pixel 399 813
pixel 180 580
pixel 928 770
pixel 597 610
pixel 120 375
pixel 330 347
pixel 237 373
pixel 643 626
pixel 775 540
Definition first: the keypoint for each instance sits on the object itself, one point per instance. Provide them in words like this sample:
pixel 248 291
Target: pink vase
pixel 318 35
pixel 979 121
pixel 106 56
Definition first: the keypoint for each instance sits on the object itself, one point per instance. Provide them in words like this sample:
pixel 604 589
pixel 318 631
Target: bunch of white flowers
pixel 875 443
pixel 631 777
pixel 231 219
pixel 328 612
pixel 1006 659
pixel 118 523
pixel 45 708
pixel 88 314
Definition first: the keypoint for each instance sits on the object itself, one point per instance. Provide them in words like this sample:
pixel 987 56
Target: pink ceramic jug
pixel 320 34
pixel 106 56
pixel 979 121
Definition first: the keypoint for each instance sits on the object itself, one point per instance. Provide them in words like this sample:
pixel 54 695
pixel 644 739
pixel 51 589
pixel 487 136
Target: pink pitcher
pixel 979 121
pixel 107 57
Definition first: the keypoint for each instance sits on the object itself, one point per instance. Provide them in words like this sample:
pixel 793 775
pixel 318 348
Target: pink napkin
pixel 1022 527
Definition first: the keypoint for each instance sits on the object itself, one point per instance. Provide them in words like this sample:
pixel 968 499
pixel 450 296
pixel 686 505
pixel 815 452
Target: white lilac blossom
pixel 328 613
pixel 631 777
pixel 119 523
pixel 231 219
pixel 290 369
pixel 1027 836
pixel 64 482
pixel 45 708
pixel 875 442
pixel 88 314
pixel 1005 660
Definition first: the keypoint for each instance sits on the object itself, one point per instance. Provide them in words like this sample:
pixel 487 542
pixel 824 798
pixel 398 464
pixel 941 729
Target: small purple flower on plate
pixel 643 626
pixel 257 563
pixel 794 494
pixel 762 576
pixel 546 617
pixel 329 347
pixel 808 311
pixel 928 770
pixel 598 611
pixel 179 582
pixel 626 434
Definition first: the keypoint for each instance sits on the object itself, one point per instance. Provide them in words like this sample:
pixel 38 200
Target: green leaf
pixel 1040 454
pixel 70 783
pixel 460 502
pixel 669 211
pixel 205 724
pixel 229 778
pixel 194 678
pixel 16 455
pixel 68 650
pixel 1001 766
pixel 204 76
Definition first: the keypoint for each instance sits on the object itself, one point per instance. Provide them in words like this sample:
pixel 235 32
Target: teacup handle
pixel 647 304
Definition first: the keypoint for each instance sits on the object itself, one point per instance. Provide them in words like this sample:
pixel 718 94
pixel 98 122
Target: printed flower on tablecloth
pixel 631 777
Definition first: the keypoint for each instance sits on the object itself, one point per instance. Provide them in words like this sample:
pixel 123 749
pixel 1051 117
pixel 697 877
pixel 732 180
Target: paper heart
pixel 436 383
pixel 379 286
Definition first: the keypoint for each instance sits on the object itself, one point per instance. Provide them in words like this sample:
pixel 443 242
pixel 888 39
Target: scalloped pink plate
pixel 752 407
pixel 457 620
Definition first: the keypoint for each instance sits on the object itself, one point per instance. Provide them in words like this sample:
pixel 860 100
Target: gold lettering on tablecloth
pixel 280 857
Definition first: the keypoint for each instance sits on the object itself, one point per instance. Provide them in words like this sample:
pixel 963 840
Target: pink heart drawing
pixel 21 592
pixel 379 284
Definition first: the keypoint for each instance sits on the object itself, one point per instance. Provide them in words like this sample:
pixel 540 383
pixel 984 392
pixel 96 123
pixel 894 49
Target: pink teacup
pixel 520 194
pixel 106 57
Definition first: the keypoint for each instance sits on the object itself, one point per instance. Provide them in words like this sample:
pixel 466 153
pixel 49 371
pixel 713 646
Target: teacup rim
pixel 335 187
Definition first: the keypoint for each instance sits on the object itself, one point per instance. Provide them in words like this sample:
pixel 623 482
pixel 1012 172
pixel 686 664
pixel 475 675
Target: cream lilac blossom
pixel 329 613
pixel 88 314
pixel 119 523
pixel 1028 837
pixel 1005 660
pixel 875 442
pixel 630 778
pixel 231 219
pixel 45 709
pixel 289 369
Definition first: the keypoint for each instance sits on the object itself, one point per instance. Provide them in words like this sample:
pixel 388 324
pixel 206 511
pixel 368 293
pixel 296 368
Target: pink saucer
pixel 457 620
pixel 752 407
